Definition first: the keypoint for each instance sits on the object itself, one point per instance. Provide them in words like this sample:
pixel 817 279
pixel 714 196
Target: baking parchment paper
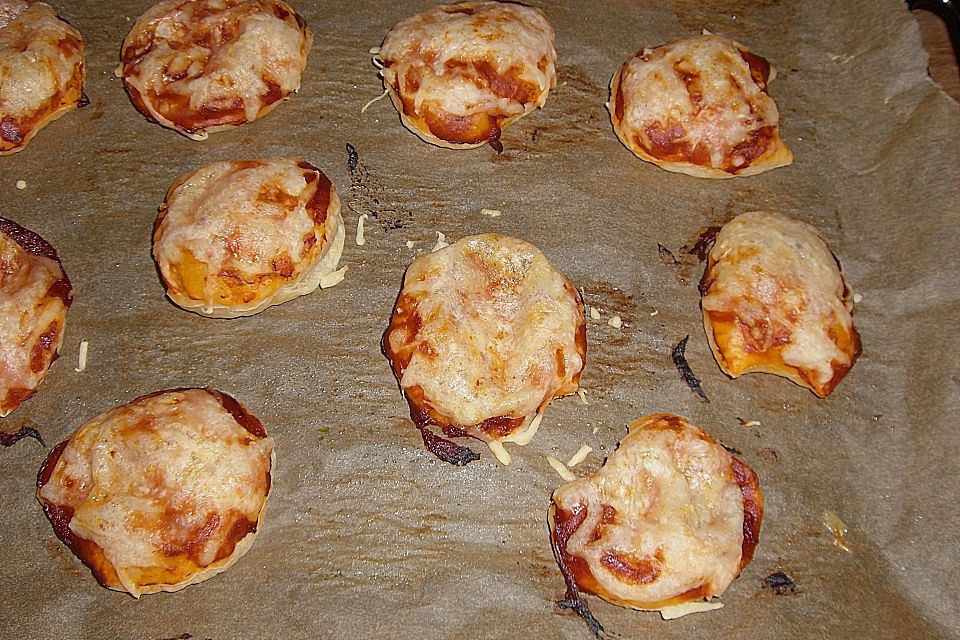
pixel 369 536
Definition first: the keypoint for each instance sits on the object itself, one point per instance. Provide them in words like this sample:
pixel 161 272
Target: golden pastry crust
pixel 670 518
pixel 234 238
pixel 775 300
pixel 35 294
pixel 160 493
pixel 41 70
pixel 485 333
pixel 699 106
pixel 459 74
pixel 199 66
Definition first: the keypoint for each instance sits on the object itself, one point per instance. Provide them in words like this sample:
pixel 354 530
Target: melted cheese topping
pixel 663 517
pixel 701 102
pixel 203 65
pixel 32 318
pixel 483 329
pixel 453 62
pixel 162 481
pixel 41 70
pixel 236 237
pixel 775 300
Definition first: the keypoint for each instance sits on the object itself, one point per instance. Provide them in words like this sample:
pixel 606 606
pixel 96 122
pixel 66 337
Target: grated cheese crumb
pixel 82 361
pixel 501 454
pixel 374 50
pixel 561 469
pixel 596 429
pixel 839 529
pixel 21 184
pixel 654 312
pixel 493 213
pixel 333 279
pixel 360 239
pixel 383 95
pixel 857 298
pixel 583 396
pixel 615 322
pixel 580 455
pixel 441 242
pixel 752 423
pixel 411 244
pixel 524 435
pixel 595 313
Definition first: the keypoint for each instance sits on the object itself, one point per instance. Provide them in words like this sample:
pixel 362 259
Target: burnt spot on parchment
pixel 697 15
pixel 574 112
pixel 614 354
pixel 369 196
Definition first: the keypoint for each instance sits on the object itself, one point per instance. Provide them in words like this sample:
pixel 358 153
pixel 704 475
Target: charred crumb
pixel 573 601
pixel 353 158
pixel 780 583
pixel 10 439
pixel 680 361
pixel 448 451
pixel 83 101
pixel 496 144
pixel 534 135
pixel 732 450
pixel 182 636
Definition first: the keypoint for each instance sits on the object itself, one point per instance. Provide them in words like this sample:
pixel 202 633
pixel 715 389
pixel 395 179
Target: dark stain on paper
pixel 369 196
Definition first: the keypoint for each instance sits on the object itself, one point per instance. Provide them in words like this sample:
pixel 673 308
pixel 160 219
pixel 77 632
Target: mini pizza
pixel 41 70
pixel 35 294
pixel 670 519
pixel 160 493
pixel 485 333
pixel 775 300
pixel 199 66
pixel 234 238
pixel 699 106
pixel 459 74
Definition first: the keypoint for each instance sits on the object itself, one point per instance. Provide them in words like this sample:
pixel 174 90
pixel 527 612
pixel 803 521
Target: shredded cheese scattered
pixel 679 610
pixel 370 102
pixel 595 313
pixel 654 312
pixel 499 452
pixel 360 239
pixel 333 279
pixel 374 50
pixel 596 429
pixel 82 360
pixel 839 529
pixel 441 242
pixel 616 322
pixel 21 184
pixel 493 213
pixel 411 244
pixel 857 298
pixel 752 423
pixel 580 455
pixel 583 396
pixel 561 469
